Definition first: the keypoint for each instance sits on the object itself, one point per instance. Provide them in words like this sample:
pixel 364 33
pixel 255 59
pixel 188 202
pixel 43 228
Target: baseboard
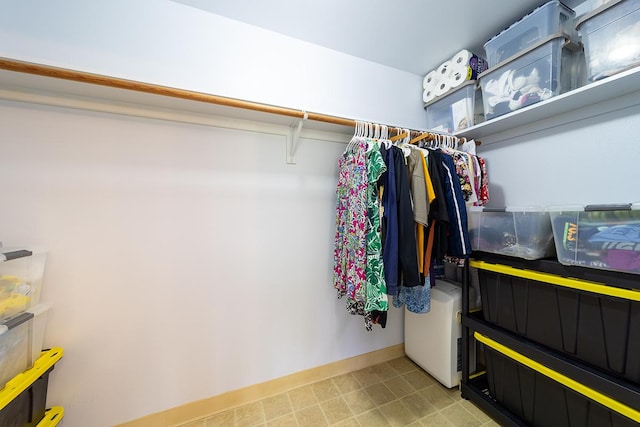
pixel 210 406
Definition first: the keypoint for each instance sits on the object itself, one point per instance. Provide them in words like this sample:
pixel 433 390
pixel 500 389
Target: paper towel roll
pixel 430 80
pixel 461 58
pixel 466 58
pixel 429 95
pixel 443 87
pixel 459 75
pixel 444 69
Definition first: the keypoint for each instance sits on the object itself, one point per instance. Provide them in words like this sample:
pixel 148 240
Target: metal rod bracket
pixel 293 138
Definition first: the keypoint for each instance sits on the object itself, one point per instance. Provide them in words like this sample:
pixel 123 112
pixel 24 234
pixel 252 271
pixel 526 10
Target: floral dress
pixel 349 272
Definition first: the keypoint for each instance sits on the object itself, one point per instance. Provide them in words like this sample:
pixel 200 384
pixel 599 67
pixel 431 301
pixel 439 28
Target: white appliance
pixel 433 340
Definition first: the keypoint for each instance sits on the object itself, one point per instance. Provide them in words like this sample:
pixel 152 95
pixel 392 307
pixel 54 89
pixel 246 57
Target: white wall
pixel 184 260
pixel 168 43
pixel 588 161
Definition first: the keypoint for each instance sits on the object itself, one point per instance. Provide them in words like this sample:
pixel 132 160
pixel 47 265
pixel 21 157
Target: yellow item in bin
pixel 15 295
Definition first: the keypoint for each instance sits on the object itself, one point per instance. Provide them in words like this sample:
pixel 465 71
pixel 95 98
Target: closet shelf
pixel 578 104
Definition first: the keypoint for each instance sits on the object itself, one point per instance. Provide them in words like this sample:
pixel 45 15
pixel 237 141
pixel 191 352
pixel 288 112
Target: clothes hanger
pixel 357 135
pixel 400 135
pixel 420 137
pixel 450 142
pixel 385 137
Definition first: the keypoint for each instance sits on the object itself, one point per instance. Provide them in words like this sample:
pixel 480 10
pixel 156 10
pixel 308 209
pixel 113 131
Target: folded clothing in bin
pixel 514 89
pixel 535 74
pixel 598 236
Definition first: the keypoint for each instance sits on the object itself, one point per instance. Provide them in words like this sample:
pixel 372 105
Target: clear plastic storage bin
pixel 539 73
pixel 21 339
pixel 611 38
pixel 550 18
pixel 454 111
pixel 598 236
pixel 523 232
pixel 21 274
pixel 594 4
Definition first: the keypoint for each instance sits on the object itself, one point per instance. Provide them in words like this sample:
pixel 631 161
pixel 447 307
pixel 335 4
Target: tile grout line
pixel 381 375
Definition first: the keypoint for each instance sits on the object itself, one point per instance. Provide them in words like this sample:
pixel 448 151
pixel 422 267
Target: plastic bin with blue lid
pixel 611 38
pixel 522 232
pixel 606 237
pixel 550 18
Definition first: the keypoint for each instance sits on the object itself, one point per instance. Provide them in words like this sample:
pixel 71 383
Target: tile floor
pixel 394 393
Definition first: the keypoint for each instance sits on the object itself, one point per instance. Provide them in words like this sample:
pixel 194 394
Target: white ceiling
pixel 411 35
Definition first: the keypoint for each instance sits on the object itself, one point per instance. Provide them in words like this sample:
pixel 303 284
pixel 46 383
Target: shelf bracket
pixel 293 138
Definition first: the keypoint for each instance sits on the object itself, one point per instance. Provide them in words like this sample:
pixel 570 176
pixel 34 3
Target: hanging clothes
pixel 351 221
pixel 399 212
pixel 458 244
pixel 376 288
pixel 407 256
pixel 389 222
pixel 416 298
pixel 438 214
pixel 350 260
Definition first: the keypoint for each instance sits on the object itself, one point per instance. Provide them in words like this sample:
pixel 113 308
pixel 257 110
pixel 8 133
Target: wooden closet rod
pixel 101 80
pixel 80 76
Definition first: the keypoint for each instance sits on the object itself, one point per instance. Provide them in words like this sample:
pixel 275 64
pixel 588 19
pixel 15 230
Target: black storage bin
pixel 28 409
pixel 542 397
pixel 23 399
pixel 592 322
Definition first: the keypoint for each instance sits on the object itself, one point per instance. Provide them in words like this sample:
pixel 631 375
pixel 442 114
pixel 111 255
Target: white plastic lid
pixel 40 308
pixel 565 208
pixel 525 209
pixel 481 208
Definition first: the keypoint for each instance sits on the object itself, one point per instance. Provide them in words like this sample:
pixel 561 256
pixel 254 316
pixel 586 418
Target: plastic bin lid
pixel 546 5
pixel 451 91
pixel 481 208
pixel 561 35
pixel 9 254
pixel 14 321
pixel 525 209
pixel 565 208
pixel 598 10
pixel 40 308
pixel 595 207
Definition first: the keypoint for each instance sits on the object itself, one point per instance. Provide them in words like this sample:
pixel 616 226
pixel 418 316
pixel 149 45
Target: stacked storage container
pixel 456 111
pixel 22 318
pixel 611 37
pixel 24 368
pixel 561 341
pixel 598 236
pixel 450 93
pixel 523 232
pixel 530 61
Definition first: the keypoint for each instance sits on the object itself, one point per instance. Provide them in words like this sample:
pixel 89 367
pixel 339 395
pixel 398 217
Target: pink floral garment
pixel 350 249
